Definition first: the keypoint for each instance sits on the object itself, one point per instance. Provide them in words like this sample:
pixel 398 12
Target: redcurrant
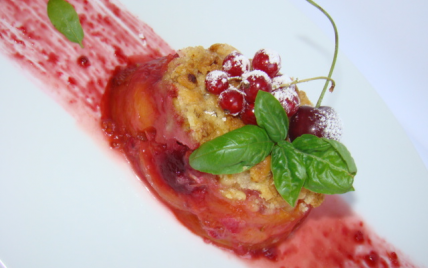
pixel 248 116
pixel 232 100
pixel 254 81
pixel 235 64
pixel 216 82
pixel 280 80
pixel 288 98
pixel 267 61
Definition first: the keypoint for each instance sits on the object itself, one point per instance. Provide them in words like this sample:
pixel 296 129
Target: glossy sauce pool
pixel 332 236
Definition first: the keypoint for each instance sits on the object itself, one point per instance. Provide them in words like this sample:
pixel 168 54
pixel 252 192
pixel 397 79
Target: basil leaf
pixel 233 152
pixel 289 172
pixel 329 165
pixel 271 116
pixel 64 18
pixel 345 154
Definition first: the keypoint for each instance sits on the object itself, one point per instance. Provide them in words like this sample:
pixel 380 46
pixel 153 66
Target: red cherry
pixel 235 64
pixel 321 122
pixel 248 116
pixel 267 61
pixel 254 81
pixel 232 100
pixel 216 82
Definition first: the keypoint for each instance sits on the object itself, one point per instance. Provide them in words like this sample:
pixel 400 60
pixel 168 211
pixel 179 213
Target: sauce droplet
pixel 83 61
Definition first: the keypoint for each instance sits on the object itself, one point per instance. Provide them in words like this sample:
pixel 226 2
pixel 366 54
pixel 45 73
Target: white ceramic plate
pixel 65 201
pixel 386 41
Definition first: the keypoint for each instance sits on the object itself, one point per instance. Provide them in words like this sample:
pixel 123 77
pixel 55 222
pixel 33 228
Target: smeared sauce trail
pixel 332 236
pixel 73 76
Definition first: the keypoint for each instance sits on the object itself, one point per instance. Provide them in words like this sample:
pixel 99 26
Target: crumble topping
pixel 205 120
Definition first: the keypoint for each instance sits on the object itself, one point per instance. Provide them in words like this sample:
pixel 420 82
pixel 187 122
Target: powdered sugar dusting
pixel 288 98
pixel 273 56
pixel 278 81
pixel 216 81
pixel 214 76
pixel 330 121
pixel 284 94
pixel 236 60
pixel 255 73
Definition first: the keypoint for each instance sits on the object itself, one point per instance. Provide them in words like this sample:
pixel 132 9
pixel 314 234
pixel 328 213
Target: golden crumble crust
pixel 205 120
pixel 304 100
pixel 203 117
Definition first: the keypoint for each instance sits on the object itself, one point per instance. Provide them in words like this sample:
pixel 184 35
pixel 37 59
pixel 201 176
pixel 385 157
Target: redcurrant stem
pixel 297 81
pixel 336 50
pixel 234 78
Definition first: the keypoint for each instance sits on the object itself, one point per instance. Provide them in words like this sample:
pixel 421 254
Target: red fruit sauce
pixel 73 76
pixel 331 236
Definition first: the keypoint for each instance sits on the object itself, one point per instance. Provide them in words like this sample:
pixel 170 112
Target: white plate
pixel 65 201
pixel 386 40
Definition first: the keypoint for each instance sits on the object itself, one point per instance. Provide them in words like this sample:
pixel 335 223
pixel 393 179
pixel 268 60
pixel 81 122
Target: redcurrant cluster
pixel 239 81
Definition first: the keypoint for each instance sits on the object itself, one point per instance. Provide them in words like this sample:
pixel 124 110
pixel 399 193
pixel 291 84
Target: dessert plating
pixel 157 113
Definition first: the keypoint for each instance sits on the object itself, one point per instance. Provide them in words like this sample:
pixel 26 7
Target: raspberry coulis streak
pixel 331 236
pixel 73 76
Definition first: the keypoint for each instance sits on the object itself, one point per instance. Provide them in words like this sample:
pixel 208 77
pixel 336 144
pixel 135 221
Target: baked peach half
pixel 157 112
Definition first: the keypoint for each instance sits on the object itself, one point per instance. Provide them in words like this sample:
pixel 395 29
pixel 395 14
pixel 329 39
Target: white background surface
pixel 63 203
pixel 388 42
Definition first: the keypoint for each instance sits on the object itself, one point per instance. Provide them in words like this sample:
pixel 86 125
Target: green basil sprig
pixel 271 116
pixel 330 167
pixel 64 18
pixel 289 171
pixel 233 152
pixel 318 164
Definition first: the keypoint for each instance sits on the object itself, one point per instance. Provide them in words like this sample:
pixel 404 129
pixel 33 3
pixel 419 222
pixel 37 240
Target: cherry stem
pixel 297 81
pixel 336 50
